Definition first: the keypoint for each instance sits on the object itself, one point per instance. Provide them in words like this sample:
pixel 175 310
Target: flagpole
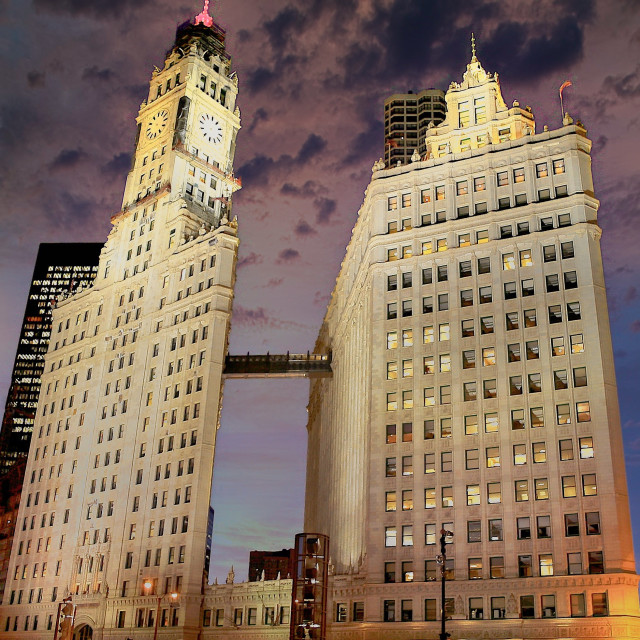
pixel 564 85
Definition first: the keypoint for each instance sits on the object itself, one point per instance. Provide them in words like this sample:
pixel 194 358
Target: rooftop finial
pixel 204 17
pixel 473 48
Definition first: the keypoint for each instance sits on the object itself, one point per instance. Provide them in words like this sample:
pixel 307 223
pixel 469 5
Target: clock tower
pixel 187 126
pixel 121 462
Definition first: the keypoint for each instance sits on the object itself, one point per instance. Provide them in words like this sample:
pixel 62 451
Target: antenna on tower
pixel 473 48
pixel 203 17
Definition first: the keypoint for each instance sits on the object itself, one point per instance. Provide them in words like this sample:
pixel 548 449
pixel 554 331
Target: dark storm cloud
pixel 308 190
pixel 303 228
pixel 260 78
pixel 248 260
pixel 626 85
pixel 260 318
pixel 326 208
pixel 69 211
pixel 118 165
pixel 261 115
pixel 365 145
pixel 94 73
pixel 535 50
pixel 93 9
pixel 288 255
pixel 35 79
pixel 635 326
pixel 259 169
pixel 288 22
pixel 312 146
pixel 396 47
pixel 67 159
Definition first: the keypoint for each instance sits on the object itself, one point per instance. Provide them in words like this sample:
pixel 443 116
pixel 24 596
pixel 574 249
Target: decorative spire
pixel 203 17
pixel 473 48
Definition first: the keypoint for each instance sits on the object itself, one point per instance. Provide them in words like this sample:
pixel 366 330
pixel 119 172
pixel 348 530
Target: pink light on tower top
pixel 204 17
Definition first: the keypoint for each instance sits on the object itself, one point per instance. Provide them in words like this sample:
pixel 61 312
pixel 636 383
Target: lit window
pixel 589 486
pixel 471 425
pixel 392 340
pixel 392 203
pixel 392 401
pixel 494 493
pixel 392 370
pixel 583 412
pixel 429 364
pixel 586 447
pixel 429 397
pixel 546 564
pixel 492 457
pixel 542 488
pixel 569 487
pixel 519 454
pixel 390 534
pixel 491 423
pixel 522 490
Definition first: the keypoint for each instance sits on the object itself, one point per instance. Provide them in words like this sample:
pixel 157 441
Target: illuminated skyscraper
pixel 474 391
pixel 115 506
pixel 59 268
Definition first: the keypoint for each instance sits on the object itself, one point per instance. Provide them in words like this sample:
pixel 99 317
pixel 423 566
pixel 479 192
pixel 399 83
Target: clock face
pixel 210 128
pixel 156 125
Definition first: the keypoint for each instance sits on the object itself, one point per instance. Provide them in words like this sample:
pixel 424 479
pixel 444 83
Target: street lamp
pixel 148 585
pixel 442 561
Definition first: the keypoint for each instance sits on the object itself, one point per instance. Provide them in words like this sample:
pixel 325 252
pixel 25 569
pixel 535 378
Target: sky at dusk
pixel 313 76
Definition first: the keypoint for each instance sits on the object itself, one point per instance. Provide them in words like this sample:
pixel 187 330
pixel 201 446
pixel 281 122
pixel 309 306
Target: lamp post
pixel 148 585
pixel 442 561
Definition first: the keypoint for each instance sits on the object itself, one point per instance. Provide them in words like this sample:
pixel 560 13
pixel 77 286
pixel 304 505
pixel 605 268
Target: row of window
pixel 498 608
pixel 492 458
pixel 496 567
pixel 478 184
pixel 439 245
pixel 487 326
pixel 485 296
pixel 404 400
pixel 522 492
pixel 271 616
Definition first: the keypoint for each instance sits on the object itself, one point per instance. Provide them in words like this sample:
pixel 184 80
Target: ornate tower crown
pixel 203 17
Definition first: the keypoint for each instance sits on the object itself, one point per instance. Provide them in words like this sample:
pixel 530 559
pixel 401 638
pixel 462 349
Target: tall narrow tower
pixel 474 391
pixel 116 497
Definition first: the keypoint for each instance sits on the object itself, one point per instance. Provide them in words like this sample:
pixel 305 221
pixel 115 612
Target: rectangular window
pixel 498 607
pixel 542 488
pixel 494 493
pixel 527 607
pixel 390 534
pixel 599 604
pixel 589 485
pixel 592 520
pixel 429 366
pixel 566 449
pixel 496 567
pixel 522 490
pixel 578 608
pixel 569 487
pixel 495 530
pixel 492 457
pixel 571 525
pixel 525 566
pixel 389 611
pixel 471 425
pixel 524 528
